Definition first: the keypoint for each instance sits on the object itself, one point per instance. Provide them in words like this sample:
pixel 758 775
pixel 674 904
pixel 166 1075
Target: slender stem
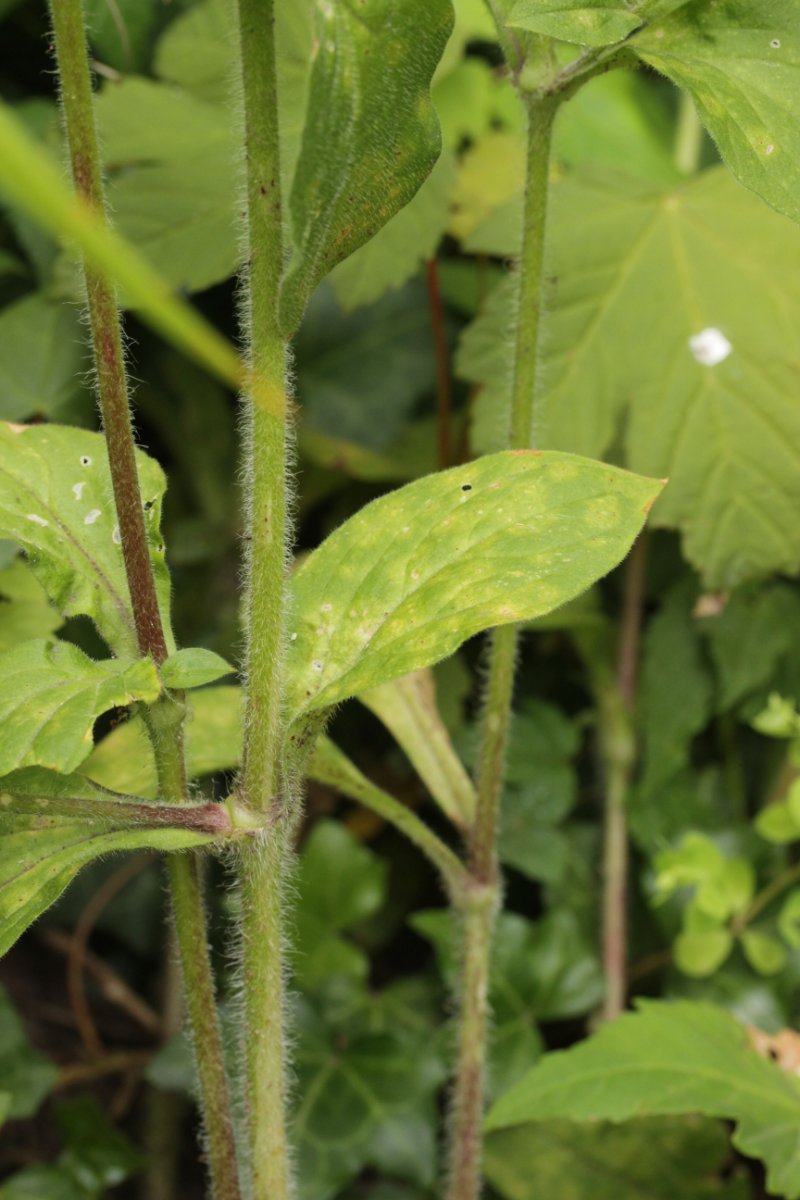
pixel 165 718
pixel 112 384
pixel 335 770
pixel 442 365
pixel 468 1096
pixel 264 863
pixel 688 136
pixel 616 701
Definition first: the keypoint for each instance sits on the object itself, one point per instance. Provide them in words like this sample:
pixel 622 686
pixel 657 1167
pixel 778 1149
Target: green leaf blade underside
pixel 414 574
pixel 652 269
pixel 40 856
pixel 371 136
pixel 56 503
pixel 670 1058
pixel 741 63
pixel 52 695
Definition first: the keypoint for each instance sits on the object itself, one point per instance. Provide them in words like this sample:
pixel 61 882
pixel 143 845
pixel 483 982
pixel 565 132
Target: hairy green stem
pixel 468 1096
pixel 688 136
pixel 165 718
pixel 264 863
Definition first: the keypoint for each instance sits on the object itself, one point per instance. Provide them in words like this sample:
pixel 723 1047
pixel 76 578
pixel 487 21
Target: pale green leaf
pixel 701 952
pixel 789 919
pixel 408 709
pixel 192 667
pixel 651 1159
pixel 395 253
pixel 764 952
pixel 171 161
pixel 649 271
pixel 670 1058
pixel 25 611
pixel 56 503
pixel 52 695
pixel 371 135
pixel 40 856
pixel 741 63
pixel 414 574
pixel 43 357
pixel 586 22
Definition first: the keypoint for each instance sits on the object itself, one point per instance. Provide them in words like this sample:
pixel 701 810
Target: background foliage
pixel 646 250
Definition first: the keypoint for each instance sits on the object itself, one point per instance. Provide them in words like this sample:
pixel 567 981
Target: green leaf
pixel 764 952
pixel 27 1075
pixel 365 1098
pixel 412 575
pixel 740 62
pixel 749 638
pixel 670 1058
pixel 398 250
pixel 24 609
pixel 123 761
pixel 171 159
pixel 43 357
pixel 383 117
pixel 701 952
pixel 121 36
pixel 540 971
pixel 587 22
pixel 192 667
pixel 541 789
pixel 789 919
pixel 776 823
pixel 56 503
pixel 40 856
pixel 408 709
pixel 655 1159
pixel 96 1154
pixel 705 255
pixel 52 695
pixel 359 376
pixel 676 691
pixel 340 884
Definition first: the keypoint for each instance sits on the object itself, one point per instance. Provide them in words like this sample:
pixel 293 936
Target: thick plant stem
pixel 164 719
pixel 616 702
pixel 264 862
pixel 468 1095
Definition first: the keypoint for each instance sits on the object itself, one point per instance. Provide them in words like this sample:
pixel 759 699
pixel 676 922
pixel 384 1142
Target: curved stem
pixel 263 863
pixel 468 1095
pixel 165 718
pixel 767 894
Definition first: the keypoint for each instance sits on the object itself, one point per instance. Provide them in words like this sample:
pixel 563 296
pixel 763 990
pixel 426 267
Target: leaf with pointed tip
pixel 414 574
pixel 53 693
pixel 371 135
pixel 667 1058
pixel 703 256
pixel 25 611
pixel 741 62
pixel 56 503
pixel 192 667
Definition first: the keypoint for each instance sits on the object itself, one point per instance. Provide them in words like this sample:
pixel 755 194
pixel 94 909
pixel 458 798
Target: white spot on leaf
pixel 36 520
pixel 115 536
pixel 86 460
pixel 317 665
pixel 710 347
pixel 775 43
pixel 92 516
pixel 77 489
